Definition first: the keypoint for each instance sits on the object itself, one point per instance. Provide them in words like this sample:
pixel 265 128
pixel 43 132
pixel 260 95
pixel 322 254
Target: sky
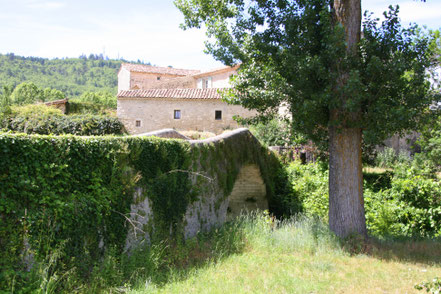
pixel 147 30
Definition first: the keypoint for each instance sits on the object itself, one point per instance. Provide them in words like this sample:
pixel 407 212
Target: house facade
pixel 152 98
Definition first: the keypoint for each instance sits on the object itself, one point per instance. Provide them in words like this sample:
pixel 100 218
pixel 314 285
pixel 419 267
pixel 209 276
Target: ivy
pixel 73 195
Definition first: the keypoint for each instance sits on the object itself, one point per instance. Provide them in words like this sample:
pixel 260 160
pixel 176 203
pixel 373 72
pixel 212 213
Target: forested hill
pixel 73 76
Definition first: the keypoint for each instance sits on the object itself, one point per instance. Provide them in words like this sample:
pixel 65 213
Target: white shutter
pixel 200 84
pixel 210 82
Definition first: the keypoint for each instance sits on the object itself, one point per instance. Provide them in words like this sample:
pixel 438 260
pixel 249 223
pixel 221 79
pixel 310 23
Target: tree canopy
pixel 72 76
pixel 293 52
pixel 337 79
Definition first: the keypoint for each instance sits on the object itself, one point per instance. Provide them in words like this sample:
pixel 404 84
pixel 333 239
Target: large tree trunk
pixel 346 205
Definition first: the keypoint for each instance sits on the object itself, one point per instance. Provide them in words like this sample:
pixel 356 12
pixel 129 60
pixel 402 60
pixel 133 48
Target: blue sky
pixel 133 29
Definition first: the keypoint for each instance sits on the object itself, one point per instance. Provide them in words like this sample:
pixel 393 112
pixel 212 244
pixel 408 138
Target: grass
pixel 255 254
pixel 302 256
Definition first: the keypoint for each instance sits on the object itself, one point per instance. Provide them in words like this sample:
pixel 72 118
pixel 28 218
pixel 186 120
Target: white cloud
pixel 48 5
pixel 422 13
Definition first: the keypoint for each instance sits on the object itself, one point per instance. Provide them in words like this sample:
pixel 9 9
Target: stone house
pixel 152 98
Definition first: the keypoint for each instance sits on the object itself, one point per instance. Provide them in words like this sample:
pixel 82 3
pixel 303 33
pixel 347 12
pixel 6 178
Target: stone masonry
pixel 152 98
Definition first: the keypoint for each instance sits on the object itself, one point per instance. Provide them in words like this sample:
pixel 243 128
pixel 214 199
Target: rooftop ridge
pixel 211 93
pixel 158 69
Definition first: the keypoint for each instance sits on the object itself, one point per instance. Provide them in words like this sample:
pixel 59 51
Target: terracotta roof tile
pixel 211 93
pixel 158 70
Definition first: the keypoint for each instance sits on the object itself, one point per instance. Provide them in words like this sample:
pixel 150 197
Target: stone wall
pixel 177 83
pixel 237 153
pixel 140 80
pixel 196 114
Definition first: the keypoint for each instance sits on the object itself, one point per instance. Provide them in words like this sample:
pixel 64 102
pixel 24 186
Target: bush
pixel 310 185
pixel 406 202
pixel 76 107
pixel 389 158
pixel 276 133
pixel 65 200
pixel 40 119
pixel 103 98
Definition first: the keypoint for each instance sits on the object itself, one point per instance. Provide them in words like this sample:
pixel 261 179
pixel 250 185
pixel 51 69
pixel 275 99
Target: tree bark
pixel 346 205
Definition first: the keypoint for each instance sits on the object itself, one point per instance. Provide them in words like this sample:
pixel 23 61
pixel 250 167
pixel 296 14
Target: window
pixel 138 123
pixel 158 78
pixel 218 115
pixel 205 83
pixel 177 114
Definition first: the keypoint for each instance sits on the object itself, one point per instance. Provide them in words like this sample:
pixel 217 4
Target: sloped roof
pixel 216 70
pixel 211 93
pixel 158 70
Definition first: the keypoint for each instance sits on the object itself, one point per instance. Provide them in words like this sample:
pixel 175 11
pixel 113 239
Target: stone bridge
pixel 230 173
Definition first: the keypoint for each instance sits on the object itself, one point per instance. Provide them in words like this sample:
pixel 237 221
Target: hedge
pixel 73 194
pixel 43 120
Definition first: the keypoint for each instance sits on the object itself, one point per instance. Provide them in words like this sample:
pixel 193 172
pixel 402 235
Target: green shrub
pixel 310 185
pixel 40 119
pixel 406 202
pixel 76 107
pixel 103 98
pixel 69 197
pixel 65 200
pixel 276 133
pixel 388 158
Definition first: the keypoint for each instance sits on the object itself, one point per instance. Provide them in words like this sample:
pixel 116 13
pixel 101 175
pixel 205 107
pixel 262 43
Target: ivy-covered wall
pixel 83 195
pixel 212 169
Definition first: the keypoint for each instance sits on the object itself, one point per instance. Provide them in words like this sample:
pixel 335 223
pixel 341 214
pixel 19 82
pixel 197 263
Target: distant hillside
pixel 73 76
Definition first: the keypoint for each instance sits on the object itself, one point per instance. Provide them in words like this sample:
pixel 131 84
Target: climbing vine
pixel 73 194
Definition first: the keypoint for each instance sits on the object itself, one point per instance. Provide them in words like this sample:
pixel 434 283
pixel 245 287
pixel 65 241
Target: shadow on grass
pixel 172 261
pixel 402 249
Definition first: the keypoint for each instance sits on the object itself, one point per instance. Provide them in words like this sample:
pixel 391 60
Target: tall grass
pixel 301 255
pixel 256 253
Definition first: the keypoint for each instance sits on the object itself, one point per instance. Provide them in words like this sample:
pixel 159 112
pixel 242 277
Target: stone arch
pixel 249 192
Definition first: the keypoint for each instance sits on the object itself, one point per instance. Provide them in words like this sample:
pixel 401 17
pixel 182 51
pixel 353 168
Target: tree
pixel 49 94
pixel 5 99
pixel 26 93
pixel 340 89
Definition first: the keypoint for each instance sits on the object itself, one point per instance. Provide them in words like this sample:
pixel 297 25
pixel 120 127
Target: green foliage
pixel 104 98
pixel 430 139
pixel 167 176
pixel 410 207
pixel 276 133
pixel 223 160
pixel 292 54
pixel 389 158
pixel 60 190
pixel 26 93
pixel 69 197
pixel 65 201
pixel 310 185
pixel 49 94
pixel 40 119
pixel 29 93
pixel 72 76
pixel 433 287
pixel 403 203
pixel 5 100
pixel 76 107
